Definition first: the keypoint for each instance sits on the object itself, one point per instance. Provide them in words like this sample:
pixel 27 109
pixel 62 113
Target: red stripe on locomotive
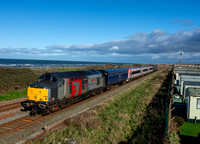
pixel 76 87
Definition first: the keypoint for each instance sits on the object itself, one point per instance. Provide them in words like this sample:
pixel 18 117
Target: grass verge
pixel 13 95
pixel 190 129
pixel 134 116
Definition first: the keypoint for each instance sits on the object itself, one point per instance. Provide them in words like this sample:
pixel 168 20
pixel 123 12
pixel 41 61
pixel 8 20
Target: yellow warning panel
pixel 37 94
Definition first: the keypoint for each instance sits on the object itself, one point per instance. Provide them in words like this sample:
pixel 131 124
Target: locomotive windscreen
pixel 47 77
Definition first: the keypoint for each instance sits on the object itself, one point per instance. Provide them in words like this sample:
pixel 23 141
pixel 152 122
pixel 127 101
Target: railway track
pixel 10 107
pixel 21 123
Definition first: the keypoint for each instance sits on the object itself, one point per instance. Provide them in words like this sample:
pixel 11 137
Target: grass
pixel 17 78
pixel 190 129
pixel 13 95
pixel 64 69
pixel 128 117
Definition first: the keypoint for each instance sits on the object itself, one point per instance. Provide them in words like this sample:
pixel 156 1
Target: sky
pixel 126 31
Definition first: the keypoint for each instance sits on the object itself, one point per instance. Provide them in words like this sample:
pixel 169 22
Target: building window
pixel 198 103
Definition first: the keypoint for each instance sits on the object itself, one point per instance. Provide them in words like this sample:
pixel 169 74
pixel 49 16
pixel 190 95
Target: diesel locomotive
pixel 54 91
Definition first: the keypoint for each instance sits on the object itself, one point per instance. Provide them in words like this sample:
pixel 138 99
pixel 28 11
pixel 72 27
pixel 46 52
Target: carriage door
pixel 61 89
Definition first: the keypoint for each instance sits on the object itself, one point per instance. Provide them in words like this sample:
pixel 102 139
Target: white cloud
pixel 155 57
pixel 152 45
pixel 196 54
pixel 156 45
pixel 183 22
pixel 114 48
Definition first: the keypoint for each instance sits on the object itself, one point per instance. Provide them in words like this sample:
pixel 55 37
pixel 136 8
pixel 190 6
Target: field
pixel 134 116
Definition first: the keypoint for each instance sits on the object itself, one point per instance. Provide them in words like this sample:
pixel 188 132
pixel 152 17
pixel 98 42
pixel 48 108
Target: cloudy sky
pixel 127 31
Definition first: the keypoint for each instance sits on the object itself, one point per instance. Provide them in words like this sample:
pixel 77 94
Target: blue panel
pixel 116 75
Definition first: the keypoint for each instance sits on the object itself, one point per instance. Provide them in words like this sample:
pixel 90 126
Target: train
pixel 57 90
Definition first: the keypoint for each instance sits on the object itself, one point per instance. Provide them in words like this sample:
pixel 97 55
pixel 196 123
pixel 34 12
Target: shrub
pixel 172 138
pixel 179 120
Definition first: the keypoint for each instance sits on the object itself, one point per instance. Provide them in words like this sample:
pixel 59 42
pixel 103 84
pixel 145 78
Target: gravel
pixel 12 115
pixel 27 131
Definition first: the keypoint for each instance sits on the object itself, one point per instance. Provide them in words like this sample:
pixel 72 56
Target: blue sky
pixel 100 30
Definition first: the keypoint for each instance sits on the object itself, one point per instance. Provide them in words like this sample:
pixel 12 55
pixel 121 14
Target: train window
pixel 70 91
pixel 98 81
pixel 151 68
pixel 53 79
pixel 136 72
pixel 72 79
pixel 145 70
pixel 83 87
pixel 61 83
pixel 47 77
pixel 76 78
pixel 40 78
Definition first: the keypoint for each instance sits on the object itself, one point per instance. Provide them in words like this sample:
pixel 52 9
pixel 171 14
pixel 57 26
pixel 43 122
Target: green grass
pixel 190 129
pixel 64 69
pixel 13 95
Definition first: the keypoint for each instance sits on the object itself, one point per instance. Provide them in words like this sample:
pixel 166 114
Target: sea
pixel 27 63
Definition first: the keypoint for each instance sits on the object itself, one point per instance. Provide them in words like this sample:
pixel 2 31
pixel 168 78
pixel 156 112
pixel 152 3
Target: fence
pixel 168 105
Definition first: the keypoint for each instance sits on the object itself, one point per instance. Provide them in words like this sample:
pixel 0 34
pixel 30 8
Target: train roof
pixel 140 67
pixel 75 73
pixel 114 70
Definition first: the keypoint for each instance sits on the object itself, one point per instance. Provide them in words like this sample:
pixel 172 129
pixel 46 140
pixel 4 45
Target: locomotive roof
pixel 75 73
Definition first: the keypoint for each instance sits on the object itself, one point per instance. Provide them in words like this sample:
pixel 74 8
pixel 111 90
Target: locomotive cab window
pixel 47 77
pixel 40 78
pixel 53 79
pixel 61 83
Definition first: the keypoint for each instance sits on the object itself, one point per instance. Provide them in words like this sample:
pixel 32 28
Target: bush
pixel 179 120
pixel 172 138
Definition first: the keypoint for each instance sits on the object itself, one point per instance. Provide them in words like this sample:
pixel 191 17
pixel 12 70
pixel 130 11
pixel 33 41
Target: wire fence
pixel 168 106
